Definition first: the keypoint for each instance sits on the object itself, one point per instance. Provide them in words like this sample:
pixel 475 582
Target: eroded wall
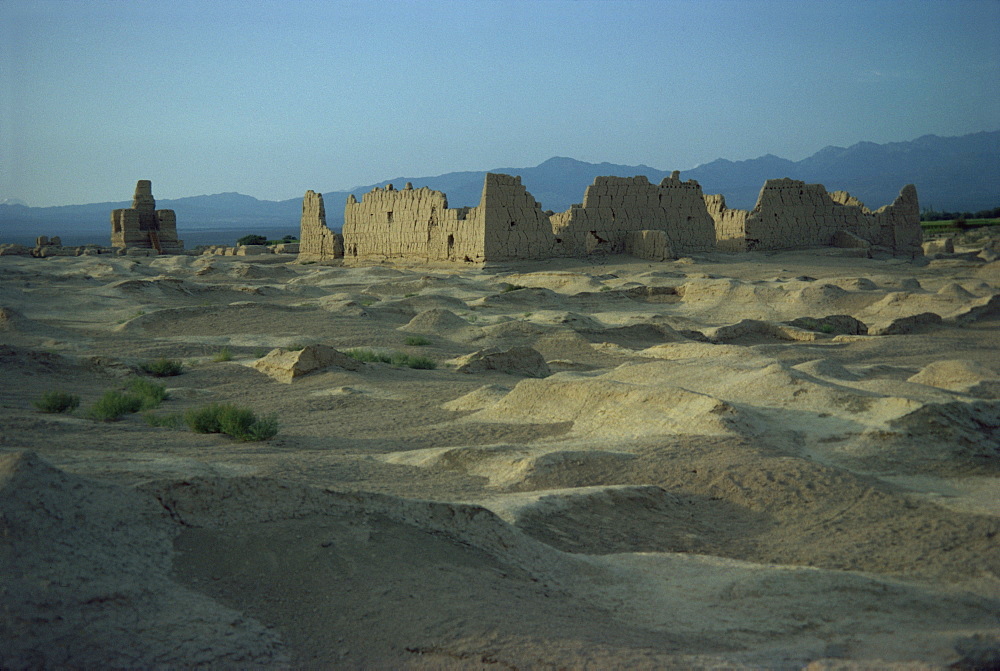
pixel 792 214
pixel 143 226
pixel 412 224
pixel 615 207
pixel 317 242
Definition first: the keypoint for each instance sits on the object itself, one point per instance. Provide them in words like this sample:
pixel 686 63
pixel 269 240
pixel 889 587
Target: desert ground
pixel 766 460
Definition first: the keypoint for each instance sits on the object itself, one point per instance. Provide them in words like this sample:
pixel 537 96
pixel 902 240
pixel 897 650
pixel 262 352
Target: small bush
pixel 417 341
pixel 223 355
pixel 151 393
pixel 171 421
pixel 252 240
pixel 409 295
pixel 239 423
pixel 57 401
pixel 163 367
pixel 507 288
pixel 113 405
pixel 605 288
pixel 399 359
pixel 410 361
pixel 259 353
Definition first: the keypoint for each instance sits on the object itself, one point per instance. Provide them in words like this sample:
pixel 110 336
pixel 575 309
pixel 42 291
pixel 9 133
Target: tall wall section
pixel 792 214
pixel 514 224
pixel 614 207
pixel 414 224
pixel 317 242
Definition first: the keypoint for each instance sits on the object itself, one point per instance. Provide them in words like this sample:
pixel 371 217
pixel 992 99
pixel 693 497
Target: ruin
pixel 143 226
pixel 791 214
pixel 617 215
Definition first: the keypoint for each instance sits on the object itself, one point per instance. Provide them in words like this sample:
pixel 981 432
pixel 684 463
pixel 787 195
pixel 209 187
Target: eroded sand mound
pixel 86 581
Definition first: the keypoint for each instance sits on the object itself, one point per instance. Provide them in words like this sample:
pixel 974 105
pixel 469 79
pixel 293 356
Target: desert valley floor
pixel 701 470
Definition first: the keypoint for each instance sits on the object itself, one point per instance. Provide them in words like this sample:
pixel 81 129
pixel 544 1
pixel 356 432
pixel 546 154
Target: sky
pixel 271 98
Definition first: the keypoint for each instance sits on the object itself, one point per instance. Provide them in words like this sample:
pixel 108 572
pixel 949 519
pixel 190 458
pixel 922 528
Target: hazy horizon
pixel 270 99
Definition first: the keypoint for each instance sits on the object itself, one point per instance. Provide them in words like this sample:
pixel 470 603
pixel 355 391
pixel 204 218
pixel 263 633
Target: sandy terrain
pixel 698 471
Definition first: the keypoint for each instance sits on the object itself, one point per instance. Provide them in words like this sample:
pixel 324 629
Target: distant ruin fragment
pixel 618 215
pixel 792 214
pixel 143 226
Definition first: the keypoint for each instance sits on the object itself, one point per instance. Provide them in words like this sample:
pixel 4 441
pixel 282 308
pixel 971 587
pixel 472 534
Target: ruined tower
pixel 142 226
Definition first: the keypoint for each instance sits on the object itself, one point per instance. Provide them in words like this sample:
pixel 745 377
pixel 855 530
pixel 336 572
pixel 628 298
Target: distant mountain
pixel 951 173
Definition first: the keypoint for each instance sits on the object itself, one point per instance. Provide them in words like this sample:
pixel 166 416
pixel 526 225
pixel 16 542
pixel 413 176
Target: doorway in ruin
pixel 451 246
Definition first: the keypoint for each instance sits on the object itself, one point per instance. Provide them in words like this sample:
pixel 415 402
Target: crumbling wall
pixel 143 226
pixel 410 224
pixel 650 245
pixel 515 227
pixel 614 207
pixel 792 214
pixel 730 225
pixel 317 242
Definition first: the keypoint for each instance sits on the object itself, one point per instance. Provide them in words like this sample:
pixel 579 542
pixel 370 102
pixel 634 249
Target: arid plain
pixel 699 470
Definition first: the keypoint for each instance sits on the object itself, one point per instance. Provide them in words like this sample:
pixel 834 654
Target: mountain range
pixel 951 173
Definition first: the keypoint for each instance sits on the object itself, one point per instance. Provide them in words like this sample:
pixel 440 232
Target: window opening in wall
pixel 388 217
pixel 451 245
pixel 513 224
pixel 558 241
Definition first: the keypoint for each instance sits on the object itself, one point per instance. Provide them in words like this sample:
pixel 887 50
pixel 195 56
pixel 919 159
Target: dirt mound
pixel 287 365
pixel 87 567
pixel 521 361
pixel 605 406
pixel 438 321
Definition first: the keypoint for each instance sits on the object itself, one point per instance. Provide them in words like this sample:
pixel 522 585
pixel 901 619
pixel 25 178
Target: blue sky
pixel 273 98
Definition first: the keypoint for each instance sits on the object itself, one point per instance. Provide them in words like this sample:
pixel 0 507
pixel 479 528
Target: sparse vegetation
pixel 605 288
pixel 170 421
pixel 507 288
pixel 57 401
pixel 259 353
pixel 223 355
pixel 113 405
pixel 162 367
pixel 368 301
pixel 399 359
pixel 151 393
pixel 137 313
pixel 252 240
pixel 417 341
pixel 239 423
pixel 409 295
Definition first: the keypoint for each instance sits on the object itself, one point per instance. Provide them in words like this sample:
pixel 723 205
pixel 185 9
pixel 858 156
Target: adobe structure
pixel 143 226
pixel 618 215
pixel 790 213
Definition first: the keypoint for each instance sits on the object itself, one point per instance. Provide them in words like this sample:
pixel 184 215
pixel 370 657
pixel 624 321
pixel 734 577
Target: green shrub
pixel 417 341
pixel 239 423
pixel 151 393
pixel 507 288
pixel 605 288
pixel 252 240
pixel 399 359
pixel 57 401
pixel 223 355
pixel 410 361
pixel 171 421
pixel 409 295
pixel 113 405
pixel 163 367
